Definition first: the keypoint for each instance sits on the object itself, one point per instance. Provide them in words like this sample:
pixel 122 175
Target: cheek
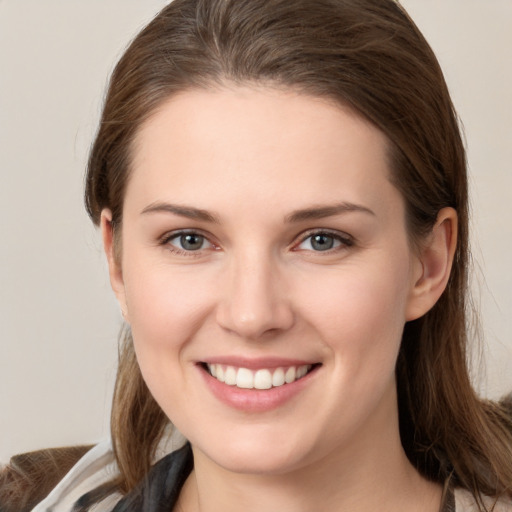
pixel 359 313
pixel 166 308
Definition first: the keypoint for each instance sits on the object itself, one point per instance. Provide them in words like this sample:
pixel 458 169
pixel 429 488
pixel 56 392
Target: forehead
pixel 257 141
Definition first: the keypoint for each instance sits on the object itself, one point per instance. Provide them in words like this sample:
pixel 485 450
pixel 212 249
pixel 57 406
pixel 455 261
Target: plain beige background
pixel 58 318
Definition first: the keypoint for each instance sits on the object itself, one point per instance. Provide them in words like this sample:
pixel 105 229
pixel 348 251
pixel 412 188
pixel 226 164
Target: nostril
pixel 256 321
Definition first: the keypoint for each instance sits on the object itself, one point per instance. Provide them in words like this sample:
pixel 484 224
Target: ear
pixel 113 260
pixel 434 263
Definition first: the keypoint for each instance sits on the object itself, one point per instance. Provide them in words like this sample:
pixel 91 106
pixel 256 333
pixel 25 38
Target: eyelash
pixel 167 238
pixel 344 241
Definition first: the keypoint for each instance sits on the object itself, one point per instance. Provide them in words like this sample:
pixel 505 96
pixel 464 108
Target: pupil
pixel 191 242
pixel 322 242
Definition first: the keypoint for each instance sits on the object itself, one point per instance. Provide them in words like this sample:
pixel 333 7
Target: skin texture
pixel 257 172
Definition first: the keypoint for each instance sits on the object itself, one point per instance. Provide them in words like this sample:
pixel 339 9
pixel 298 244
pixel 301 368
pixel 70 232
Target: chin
pixel 256 455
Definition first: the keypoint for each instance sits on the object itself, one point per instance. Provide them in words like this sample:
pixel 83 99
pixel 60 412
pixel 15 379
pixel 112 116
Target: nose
pixel 255 301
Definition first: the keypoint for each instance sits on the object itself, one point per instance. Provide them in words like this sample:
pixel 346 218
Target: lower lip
pixel 256 400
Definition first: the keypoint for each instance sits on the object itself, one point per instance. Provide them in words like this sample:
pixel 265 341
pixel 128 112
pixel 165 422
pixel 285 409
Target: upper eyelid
pixel 169 235
pixel 342 235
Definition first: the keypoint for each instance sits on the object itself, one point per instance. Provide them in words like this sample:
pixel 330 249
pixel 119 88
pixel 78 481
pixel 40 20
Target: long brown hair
pixel 367 54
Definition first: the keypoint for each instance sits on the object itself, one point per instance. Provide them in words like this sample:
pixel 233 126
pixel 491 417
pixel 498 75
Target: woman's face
pixel 262 240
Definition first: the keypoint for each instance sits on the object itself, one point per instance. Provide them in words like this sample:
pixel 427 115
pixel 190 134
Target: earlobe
pixel 113 259
pixel 435 261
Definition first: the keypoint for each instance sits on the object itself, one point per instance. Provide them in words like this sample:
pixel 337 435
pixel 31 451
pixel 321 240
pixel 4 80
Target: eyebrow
pixel 183 211
pixel 312 213
pixel 321 212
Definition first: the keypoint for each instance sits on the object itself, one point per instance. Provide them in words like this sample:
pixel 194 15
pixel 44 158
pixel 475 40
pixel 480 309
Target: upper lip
pixel 258 362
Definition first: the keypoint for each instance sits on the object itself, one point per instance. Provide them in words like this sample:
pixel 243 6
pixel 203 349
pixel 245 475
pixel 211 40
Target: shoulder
pixel 465 502
pixel 29 477
pixel 95 468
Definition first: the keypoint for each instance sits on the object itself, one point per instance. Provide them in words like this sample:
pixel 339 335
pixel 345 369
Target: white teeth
pixel 301 371
pixel 278 377
pixel 244 378
pixel 230 376
pixel 263 379
pixel 260 379
pixel 290 375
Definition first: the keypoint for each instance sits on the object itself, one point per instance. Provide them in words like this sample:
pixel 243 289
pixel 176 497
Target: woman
pixel 282 194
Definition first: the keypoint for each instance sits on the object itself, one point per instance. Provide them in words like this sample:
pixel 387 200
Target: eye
pixel 187 242
pixel 322 241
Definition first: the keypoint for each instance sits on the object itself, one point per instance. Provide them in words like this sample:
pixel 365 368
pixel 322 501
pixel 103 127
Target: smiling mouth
pixel 264 378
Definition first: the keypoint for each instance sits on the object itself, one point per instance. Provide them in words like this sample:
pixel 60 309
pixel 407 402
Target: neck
pixel 371 473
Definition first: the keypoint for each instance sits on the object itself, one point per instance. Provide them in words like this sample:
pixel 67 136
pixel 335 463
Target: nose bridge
pixel 254 300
